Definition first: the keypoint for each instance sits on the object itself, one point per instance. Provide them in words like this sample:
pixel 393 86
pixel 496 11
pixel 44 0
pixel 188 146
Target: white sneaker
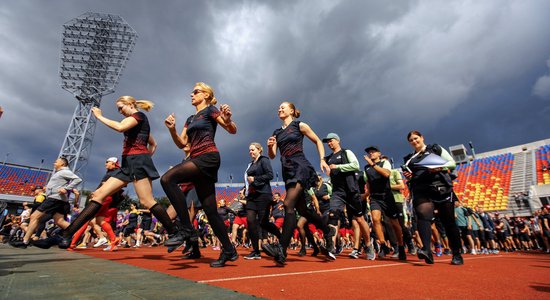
pixel 473 252
pixel 102 241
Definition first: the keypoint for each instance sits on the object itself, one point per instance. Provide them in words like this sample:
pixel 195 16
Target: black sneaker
pixel 224 257
pixel 457 260
pixel 253 255
pixel 402 253
pixel 275 251
pixel 302 252
pixel 327 253
pixel 180 237
pixel 384 250
pixel 426 256
pixel 315 251
pixel 192 255
pixel 269 249
pixel 64 243
pixel 47 243
pixel 188 248
pixel 19 244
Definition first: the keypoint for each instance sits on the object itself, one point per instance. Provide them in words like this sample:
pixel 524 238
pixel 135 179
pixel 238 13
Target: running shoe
pixel 315 251
pixel 447 251
pixel 384 250
pixel 438 251
pixel 47 243
pixel 82 246
pixel 102 241
pixel 65 243
pixel 325 251
pixel 402 255
pixel 426 256
pixel 192 255
pixel 180 237
pixel 269 249
pixel 496 251
pixel 457 259
pixel 371 254
pixel 473 252
pixel 224 257
pixel 276 251
pixel 253 255
pixel 19 244
pixel 413 250
pixel 338 250
pixel 485 251
pixel 302 252
pixel 355 254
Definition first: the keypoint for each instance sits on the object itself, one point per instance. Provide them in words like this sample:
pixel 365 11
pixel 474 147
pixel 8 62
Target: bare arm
pixel 179 140
pixel 272 147
pixel 225 119
pixel 307 131
pixel 122 126
pixel 152 144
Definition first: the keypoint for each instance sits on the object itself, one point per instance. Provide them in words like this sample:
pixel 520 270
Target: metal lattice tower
pixel 95 49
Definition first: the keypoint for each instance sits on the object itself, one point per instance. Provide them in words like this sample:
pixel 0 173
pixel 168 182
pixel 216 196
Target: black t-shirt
pixel 290 140
pixel 137 137
pixel 319 194
pixel 223 211
pixel 201 130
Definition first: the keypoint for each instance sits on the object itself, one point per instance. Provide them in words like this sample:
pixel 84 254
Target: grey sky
pixel 368 70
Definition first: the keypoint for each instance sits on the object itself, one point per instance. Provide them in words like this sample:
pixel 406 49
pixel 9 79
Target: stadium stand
pixel 485 182
pixel 20 180
pixel 543 165
pixel 229 192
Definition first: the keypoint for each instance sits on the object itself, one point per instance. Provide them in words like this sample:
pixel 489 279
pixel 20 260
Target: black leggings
pixel 254 217
pixel 424 209
pixel 295 198
pixel 206 191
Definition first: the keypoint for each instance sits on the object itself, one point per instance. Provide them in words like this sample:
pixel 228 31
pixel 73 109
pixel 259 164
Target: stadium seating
pixel 20 180
pixel 485 182
pixel 228 193
pixel 542 158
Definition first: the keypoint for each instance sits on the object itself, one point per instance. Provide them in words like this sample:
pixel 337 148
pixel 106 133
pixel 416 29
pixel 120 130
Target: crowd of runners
pixel 354 208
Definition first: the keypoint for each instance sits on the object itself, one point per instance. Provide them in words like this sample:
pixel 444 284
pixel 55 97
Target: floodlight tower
pixel 94 51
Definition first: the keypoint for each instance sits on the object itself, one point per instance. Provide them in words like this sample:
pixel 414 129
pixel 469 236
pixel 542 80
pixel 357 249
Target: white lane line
pixel 331 270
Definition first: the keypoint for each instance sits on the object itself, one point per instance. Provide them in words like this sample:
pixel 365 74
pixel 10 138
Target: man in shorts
pixel 382 202
pixel 62 182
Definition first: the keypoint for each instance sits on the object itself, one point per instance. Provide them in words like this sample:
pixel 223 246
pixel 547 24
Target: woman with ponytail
pixel 299 176
pixel 137 166
pixel 201 168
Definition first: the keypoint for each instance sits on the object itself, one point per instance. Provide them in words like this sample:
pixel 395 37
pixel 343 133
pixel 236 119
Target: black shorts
pixel 385 204
pixel 475 234
pixel 209 164
pixel 350 201
pixel 136 167
pixel 489 235
pixel 258 202
pixel 524 237
pixel 130 229
pixel 146 224
pixel 192 199
pixel 53 206
pixel 464 231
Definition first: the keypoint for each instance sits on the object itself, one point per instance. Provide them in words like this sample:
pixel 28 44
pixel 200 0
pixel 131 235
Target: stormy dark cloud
pixel 371 71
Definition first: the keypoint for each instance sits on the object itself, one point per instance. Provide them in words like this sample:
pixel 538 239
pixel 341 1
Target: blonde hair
pixel 296 113
pixel 143 104
pixel 209 90
pixel 258 146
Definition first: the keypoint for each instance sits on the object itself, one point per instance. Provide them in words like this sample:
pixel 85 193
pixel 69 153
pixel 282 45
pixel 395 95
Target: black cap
pixel 370 148
pixel 38 187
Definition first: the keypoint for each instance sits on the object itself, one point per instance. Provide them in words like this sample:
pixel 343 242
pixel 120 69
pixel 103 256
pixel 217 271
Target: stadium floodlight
pixel 95 48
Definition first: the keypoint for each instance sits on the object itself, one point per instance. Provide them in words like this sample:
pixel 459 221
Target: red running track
pixel 503 276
